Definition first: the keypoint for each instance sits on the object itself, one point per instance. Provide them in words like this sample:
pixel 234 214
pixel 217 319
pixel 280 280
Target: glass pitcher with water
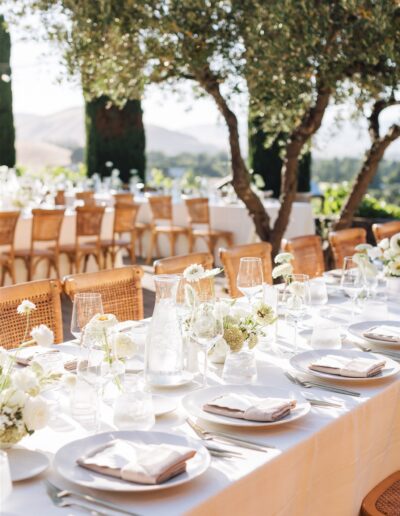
pixel 164 351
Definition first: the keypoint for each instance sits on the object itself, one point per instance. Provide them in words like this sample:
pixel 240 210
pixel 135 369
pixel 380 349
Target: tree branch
pixel 373 119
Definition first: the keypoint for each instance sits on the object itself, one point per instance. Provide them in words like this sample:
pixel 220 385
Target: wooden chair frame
pixel 230 259
pixel 344 241
pixel 120 289
pixel 124 222
pixel 8 224
pixel 177 264
pixel 385 230
pixel 308 255
pixel 46 296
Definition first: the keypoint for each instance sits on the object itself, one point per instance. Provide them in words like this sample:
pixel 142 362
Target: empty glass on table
pixel 85 307
pixel 250 277
pixel 297 301
pixel 352 281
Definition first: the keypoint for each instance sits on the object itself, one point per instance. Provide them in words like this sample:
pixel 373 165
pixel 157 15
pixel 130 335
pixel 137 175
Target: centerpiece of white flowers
pixel 283 266
pixel 22 409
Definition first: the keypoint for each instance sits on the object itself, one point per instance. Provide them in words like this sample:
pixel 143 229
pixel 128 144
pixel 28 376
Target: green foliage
pixel 371 207
pixel 115 135
pixel 54 173
pixel 216 165
pixel 7 131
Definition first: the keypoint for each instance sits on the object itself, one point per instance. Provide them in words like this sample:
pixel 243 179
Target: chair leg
pixel 3 275
pixel 49 263
pixel 172 243
pixel 229 240
pixel 153 241
pixel 191 240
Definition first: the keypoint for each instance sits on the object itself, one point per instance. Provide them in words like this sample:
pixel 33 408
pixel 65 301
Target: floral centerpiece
pixel 283 267
pixel 242 331
pixel 22 409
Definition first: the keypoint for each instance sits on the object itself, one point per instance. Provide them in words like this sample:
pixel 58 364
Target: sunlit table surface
pixel 323 463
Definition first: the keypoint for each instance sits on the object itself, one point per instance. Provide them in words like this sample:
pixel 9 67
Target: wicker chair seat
pixel 384 499
pixel 211 233
pixel 25 253
pixel 170 229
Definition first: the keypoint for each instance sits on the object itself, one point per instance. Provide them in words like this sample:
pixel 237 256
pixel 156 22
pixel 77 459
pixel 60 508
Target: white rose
pixel 283 258
pixel 43 336
pixel 12 397
pixel 26 307
pixel 102 322
pixel 384 244
pixel 26 380
pixel 395 243
pixel 35 413
pixel 285 269
pixel 124 345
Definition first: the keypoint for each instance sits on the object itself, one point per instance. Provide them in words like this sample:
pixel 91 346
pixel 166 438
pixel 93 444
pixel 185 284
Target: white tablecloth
pixel 323 464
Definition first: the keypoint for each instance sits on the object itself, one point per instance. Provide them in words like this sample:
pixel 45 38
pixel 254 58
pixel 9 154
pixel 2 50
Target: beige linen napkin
pixel 250 408
pixel 351 367
pixel 384 332
pixel 138 462
pixel 24 356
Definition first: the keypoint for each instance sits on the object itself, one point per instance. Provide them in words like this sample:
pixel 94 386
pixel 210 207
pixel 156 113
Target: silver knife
pixel 62 493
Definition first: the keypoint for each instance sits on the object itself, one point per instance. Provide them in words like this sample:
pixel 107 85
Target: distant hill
pixel 49 140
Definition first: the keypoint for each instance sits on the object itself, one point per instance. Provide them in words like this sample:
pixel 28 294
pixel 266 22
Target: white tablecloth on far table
pixel 323 464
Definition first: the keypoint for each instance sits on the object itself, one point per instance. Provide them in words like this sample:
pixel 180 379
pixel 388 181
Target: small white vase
pixel 240 367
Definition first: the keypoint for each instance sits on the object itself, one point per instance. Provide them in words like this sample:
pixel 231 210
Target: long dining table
pixel 321 464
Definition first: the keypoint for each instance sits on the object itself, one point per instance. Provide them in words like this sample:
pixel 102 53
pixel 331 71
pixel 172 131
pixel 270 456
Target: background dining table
pixel 322 464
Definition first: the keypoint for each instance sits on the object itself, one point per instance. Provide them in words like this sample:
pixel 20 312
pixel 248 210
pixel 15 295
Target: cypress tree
pixel 115 135
pixel 7 130
pixel 267 161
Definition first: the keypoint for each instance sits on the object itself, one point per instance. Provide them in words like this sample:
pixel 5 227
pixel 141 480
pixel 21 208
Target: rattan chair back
pixel 385 230
pixel 86 196
pixel 177 264
pixel 120 289
pixel 125 216
pixel 161 207
pixel 45 294
pixel 344 242
pixel 46 225
pixel 59 199
pixel 230 259
pixel 123 198
pixel 8 223
pixel 308 255
pixel 89 220
pixel 198 210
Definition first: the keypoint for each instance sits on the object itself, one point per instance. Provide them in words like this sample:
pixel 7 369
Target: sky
pixel 39 88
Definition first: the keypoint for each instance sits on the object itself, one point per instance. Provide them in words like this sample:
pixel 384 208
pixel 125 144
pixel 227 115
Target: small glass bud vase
pixel 240 367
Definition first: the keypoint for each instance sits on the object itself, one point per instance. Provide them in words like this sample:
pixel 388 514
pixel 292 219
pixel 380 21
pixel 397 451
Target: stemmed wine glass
pixel 297 300
pixel 86 306
pixel 250 277
pixel 206 329
pixel 352 281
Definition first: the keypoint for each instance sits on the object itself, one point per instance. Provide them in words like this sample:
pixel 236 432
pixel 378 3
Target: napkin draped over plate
pixel 252 408
pixel 138 462
pixel 384 333
pixel 350 367
pixel 25 356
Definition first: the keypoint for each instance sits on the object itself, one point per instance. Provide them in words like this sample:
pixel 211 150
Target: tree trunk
pixel 7 131
pixel 310 123
pixel 368 170
pixel 241 176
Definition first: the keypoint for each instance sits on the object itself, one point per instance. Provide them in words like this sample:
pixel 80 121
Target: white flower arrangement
pixel 196 272
pixel 241 325
pixel 387 252
pixel 283 268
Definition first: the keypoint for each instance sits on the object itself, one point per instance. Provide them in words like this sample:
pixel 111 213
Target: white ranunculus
pixel 43 336
pixel 395 243
pixel 101 322
pixel 26 307
pixel 35 413
pixel 283 258
pixel 25 380
pixel 285 269
pixel 12 397
pixel 394 268
pixel 194 272
pixel 124 345
pixel 384 244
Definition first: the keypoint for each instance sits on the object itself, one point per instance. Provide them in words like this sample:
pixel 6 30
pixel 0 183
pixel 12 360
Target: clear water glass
pixel 206 329
pixel 249 280
pixel 297 299
pixel 352 281
pixel 85 307
pixel 5 477
pixel 325 335
pixel 318 291
pixel 133 409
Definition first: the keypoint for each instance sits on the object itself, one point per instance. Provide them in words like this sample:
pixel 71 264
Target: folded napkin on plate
pixel 250 407
pixel 385 333
pixel 138 462
pixel 351 367
pixel 25 356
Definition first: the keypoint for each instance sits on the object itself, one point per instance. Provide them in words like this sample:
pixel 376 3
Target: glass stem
pixel 295 336
pixel 205 368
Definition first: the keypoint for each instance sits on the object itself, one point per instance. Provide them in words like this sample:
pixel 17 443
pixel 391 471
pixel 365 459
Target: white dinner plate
pixel 302 360
pixel 183 379
pixel 163 404
pixel 194 401
pixel 358 329
pixel 66 457
pixel 25 463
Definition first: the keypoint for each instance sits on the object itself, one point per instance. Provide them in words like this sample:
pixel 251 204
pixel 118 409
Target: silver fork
pixel 62 502
pixel 391 354
pixel 220 436
pixel 313 401
pixel 331 388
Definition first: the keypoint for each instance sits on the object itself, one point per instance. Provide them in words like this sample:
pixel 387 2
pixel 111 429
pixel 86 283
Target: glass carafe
pixel 164 354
